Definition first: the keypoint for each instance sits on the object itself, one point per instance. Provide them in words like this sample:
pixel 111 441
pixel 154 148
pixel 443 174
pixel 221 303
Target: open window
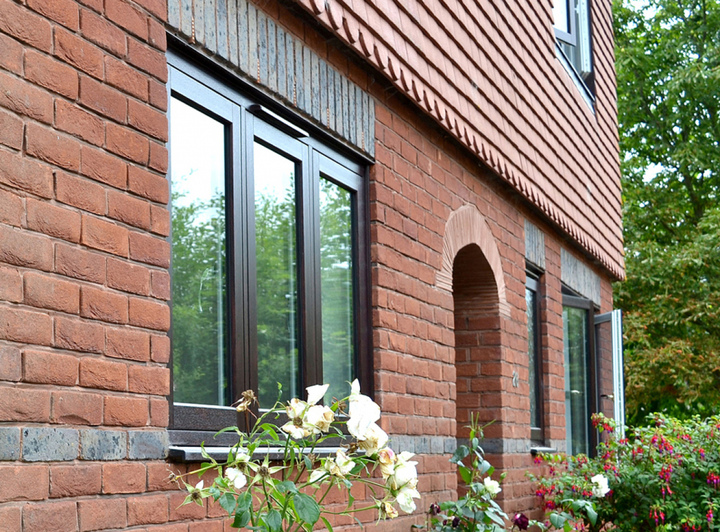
pixel 573 32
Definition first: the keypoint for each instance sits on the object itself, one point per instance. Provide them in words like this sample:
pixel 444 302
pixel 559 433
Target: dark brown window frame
pixel 249 115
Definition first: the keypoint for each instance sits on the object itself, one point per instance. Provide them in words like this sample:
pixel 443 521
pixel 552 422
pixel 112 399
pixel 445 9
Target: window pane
pixel 337 287
pixel 277 278
pixel 531 301
pixel 200 361
pixel 576 379
pixel 560 15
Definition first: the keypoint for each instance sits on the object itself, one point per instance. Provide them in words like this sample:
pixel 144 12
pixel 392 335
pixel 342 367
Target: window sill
pixel 539 450
pixel 194 454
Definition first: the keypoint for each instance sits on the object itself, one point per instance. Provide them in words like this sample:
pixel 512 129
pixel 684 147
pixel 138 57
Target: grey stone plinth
pixel 148 445
pixel 45 444
pixel 103 444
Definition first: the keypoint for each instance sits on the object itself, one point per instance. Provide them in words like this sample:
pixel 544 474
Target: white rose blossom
pixel 234 475
pixel 363 411
pixel 405 499
pixel 374 440
pixel 387 459
pixel 340 466
pixel 299 412
pixel 492 486
pixel 601 488
pixel 404 473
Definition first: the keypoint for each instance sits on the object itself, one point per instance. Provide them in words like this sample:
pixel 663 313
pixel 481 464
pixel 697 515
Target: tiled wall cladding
pixel 488 73
pixel 268 55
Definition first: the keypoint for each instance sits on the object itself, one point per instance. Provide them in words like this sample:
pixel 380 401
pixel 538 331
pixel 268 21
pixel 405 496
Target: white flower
pixel 235 476
pixel 374 440
pixel 363 412
pixel 320 417
pixel 601 485
pixel 405 499
pixel 317 392
pixel 405 472
pixel 387 510
pixel 340 466
pixel 387 460
pixel 305 417
pixel 343 464
pixel 492 486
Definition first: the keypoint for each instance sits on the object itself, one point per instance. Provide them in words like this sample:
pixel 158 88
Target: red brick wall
pixel 84 283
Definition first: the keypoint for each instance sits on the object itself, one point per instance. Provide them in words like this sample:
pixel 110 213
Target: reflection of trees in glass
pixel 575 332
pixel 199 301
pixel 276 252
pixel 336 287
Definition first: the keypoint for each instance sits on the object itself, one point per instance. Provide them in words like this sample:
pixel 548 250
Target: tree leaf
pixel 306 508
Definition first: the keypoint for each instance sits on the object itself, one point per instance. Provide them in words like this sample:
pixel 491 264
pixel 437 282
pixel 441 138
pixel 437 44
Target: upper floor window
pixel 267 255
pixel 572 30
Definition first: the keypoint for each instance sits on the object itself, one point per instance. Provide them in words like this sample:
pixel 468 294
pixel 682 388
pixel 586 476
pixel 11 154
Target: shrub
pixel 664 477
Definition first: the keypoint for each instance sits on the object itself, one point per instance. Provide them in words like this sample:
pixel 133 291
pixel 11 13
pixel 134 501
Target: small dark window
pixel 268 255
pixel 534 358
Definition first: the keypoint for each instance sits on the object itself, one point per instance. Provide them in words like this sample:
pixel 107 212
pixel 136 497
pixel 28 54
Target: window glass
pixel 533 357
pixel 199 293
pixel 266 238
pixel 577 412
pixel 336 252
pixel 560 15
pixel 277 277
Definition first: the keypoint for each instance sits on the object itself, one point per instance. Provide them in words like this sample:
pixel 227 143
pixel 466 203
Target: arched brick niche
pixel 472 271
pixel 466 226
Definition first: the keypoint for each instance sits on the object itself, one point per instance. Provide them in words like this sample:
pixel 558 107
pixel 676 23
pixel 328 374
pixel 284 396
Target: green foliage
pixel 663 477
pixel 476 511
pixel 668 71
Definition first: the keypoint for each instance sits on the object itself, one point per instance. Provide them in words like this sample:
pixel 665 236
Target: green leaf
pixel 228 502
pixel 460 453
pixel 241 519
pixel 287 486
pixel 466 474
pixel 274 521
pixel 592 514
pixel 327 524
pixel 557 520
pixel 244 502
pixel 306 508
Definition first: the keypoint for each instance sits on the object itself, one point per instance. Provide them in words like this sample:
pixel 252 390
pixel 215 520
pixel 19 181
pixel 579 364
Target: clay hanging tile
pixel 415 90
pixel 426 99
pixel 437 110
pixel 366 43
pixel 335 14
pixel 403 81
pixel 318 6
pixel 350 26
pixel 394 68
pixel 380 56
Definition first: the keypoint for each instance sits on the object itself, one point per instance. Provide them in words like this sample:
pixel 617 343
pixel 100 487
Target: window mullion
pixel 310 259
pixel 245 360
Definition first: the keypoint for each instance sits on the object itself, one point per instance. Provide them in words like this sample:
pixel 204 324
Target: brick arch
pixel 465 227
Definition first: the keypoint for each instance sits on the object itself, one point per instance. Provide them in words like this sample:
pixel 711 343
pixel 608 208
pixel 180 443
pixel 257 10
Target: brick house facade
pixel 472 150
